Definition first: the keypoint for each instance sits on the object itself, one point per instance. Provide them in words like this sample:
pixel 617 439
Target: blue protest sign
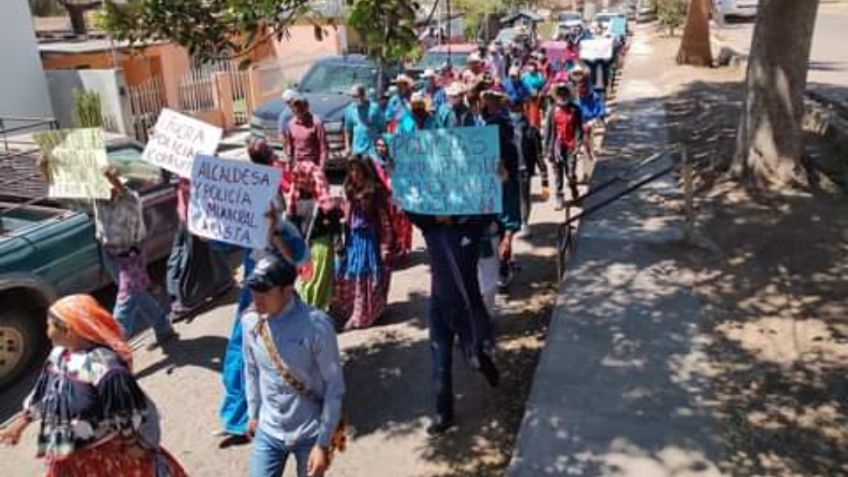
pixel 451 171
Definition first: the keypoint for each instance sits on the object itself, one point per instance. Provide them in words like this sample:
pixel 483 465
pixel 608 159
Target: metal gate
pixel 146 102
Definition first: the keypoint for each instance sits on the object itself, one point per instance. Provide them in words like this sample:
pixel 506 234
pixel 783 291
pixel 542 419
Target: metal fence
pixel 197 89
pixel 146 102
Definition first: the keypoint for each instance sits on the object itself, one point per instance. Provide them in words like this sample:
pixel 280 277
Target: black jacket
pixel 528 143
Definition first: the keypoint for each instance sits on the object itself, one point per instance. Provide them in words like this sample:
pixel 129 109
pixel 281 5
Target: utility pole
pixel 448 32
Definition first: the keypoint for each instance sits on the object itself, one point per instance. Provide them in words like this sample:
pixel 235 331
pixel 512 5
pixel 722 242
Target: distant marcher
pixel 515 88
pixel 95 420
pixel 563 131
pixel 592 108
pixel 529 147
pixel 417 117
pixel 434 94
pixel 473 70
pixel 401 226
pixel 363 123
pixel 363 273
pixel 534 81
pixel 304 134
pixel 399 102
pixel 293 375
pixel 456 112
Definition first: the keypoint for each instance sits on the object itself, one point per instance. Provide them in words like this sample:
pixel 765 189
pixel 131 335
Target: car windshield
pixel 570 17
pixel 437 59
pixel 337 78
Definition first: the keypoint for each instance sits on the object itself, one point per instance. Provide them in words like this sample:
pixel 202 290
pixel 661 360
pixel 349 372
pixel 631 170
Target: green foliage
pixel 387 27
pixel 46 8
pixel 671 13
pixel 209 29
pixel 87 109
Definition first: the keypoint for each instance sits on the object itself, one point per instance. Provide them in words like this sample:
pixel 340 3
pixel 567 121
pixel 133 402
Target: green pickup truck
pixel 48 250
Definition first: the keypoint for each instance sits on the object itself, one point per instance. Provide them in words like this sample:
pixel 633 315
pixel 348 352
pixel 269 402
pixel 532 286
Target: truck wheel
pixel 22 336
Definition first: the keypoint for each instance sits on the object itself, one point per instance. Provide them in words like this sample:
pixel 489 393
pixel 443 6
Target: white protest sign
pixel 229 200
pixel 598 49
pixel 177 138
pixel 76 162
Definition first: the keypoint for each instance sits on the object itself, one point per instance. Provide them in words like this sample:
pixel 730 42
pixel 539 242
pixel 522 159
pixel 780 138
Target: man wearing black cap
pixel 293 375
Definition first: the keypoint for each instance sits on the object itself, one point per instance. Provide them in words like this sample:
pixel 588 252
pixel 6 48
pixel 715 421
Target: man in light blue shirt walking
pixel 285 420
pixel 363 123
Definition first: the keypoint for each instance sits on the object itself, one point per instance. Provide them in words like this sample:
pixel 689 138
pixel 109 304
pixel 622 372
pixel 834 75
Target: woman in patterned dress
pixel 95 419
pixel 363 272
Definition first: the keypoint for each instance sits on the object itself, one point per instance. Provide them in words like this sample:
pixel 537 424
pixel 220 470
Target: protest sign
pixel 76 162
pixel 229 200
pixel 598 49
pixel 176 139
pixel 618 27
pixel 448 171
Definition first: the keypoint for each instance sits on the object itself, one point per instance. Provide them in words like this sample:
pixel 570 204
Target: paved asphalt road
pixel 828 73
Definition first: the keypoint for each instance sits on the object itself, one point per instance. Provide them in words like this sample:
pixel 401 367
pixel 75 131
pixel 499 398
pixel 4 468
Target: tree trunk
pixel 77 14
pixel 769 142
pixel 695 45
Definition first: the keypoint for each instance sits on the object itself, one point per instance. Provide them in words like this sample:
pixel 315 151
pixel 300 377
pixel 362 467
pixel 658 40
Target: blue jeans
pixel 453 314
pixel 269 455
pixel 141 304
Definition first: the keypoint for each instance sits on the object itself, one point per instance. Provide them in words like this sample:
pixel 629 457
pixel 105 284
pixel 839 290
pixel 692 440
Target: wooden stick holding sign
pixel 177 139
pixel 230 200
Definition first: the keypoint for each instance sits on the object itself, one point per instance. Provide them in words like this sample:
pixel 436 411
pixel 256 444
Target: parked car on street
pixel 437 57
pixel 48 249
pixel 326 85
pixel 570 19
pixel 646 11
pixel 736 8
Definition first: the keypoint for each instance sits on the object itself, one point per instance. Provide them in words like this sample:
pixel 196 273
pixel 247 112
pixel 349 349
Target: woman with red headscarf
pixel 95 419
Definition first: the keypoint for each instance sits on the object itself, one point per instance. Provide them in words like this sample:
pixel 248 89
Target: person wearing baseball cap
pixel 293 374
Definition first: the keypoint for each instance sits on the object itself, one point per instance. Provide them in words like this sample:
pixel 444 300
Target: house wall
pixel 109 84
pixel 296 53
pixel 23 85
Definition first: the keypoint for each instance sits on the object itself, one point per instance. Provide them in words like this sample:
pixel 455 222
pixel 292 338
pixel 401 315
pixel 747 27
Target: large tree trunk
pixel 769 143
pixel 695 45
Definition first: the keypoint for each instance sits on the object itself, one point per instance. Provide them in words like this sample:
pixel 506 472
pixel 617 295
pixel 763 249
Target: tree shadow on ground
pixel 205 352
pixel 773 298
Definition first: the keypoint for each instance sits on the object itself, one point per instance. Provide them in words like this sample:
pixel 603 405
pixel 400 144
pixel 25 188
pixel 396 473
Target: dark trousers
pixel 525 184
pixel 456 306
pixel 563 165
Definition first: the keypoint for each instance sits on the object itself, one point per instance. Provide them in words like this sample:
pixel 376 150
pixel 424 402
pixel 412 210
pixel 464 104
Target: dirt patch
pixel 773 294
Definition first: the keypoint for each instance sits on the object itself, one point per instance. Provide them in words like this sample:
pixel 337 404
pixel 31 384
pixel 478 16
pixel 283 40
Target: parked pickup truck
pixel 48 250
pixel 326 85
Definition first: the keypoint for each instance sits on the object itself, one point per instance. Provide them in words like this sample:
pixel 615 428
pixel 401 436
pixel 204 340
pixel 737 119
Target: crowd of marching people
pixel 327 266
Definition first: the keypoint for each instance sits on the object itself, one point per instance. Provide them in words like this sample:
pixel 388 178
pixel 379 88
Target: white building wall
pixel 23 87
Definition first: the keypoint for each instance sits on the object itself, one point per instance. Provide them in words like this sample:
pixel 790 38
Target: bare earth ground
pixel 773 288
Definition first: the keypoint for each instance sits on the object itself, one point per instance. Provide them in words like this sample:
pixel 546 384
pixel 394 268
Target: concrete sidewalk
pixel 619 390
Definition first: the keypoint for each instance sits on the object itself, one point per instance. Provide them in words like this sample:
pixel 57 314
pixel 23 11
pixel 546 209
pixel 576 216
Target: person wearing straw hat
pixel 433 91
pixel 363 123
pixel 399 102
pixel 473 69
pixel 417 117
pixel 95 420
pixel 561 135
pixel 455 113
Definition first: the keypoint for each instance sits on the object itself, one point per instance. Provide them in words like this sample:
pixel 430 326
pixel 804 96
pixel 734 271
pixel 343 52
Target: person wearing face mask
pixel 433 92
pixel 562 134
pixel 417 118
pixel 492 113
pixel 529 147
pixel 363 123
pixel 456 112
pixel 534 81
pixel 592 108
pixel 399 102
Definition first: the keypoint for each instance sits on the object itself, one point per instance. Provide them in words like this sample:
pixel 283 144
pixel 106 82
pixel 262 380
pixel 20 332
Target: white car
pixel 736 8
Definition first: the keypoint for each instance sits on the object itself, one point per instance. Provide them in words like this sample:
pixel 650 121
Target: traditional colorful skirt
pixel 110 459
pixel 402 228
pixel 315 281
pixel 361 286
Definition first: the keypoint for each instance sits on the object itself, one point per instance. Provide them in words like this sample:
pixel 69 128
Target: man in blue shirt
pixel 434 94
pixel 363 123
pixel 289 418
pixel 515 89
